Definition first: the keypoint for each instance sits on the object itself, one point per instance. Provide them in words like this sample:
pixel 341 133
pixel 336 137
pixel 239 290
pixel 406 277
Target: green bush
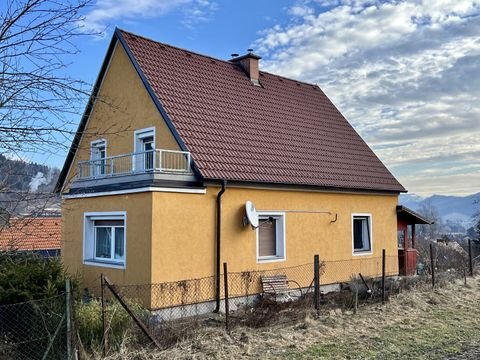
pixel 90 326
pixel 27 276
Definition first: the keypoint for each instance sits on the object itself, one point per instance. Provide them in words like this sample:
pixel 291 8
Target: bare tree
pixel 36 94
pixel 476 221
pixel 429 211
pixel 39 101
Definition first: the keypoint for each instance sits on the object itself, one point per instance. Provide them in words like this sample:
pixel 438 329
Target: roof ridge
pixel 176 47
pixel 213 58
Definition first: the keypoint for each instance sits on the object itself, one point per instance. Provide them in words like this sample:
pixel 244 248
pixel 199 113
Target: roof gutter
pixel 218 236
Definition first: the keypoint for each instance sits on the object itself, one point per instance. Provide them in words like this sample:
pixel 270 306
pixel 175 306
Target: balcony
pixel 154 161
pixel 141 168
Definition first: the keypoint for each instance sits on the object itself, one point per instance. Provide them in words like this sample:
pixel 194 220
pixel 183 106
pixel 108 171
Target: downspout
pixel 218 237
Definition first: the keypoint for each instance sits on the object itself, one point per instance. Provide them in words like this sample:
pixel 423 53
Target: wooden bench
pixel 278 285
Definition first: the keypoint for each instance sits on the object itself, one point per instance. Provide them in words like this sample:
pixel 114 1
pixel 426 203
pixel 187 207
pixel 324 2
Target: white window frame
pixel 89 239
pixel 112 243
pixel 140 134
pixel 370 220
pixel 96 144
pixel 281 244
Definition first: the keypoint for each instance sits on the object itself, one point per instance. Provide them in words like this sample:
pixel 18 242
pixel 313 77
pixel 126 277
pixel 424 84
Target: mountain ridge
pixel 452 209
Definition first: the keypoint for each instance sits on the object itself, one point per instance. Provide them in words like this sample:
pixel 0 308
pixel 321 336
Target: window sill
pixel 270 259
pixel 107 264
pixel 362 252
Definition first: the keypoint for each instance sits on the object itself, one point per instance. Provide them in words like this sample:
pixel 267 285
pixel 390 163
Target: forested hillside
pixel 26 187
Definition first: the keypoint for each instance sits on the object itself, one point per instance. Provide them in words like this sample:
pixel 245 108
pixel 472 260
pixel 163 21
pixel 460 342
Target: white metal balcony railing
pixel 162 161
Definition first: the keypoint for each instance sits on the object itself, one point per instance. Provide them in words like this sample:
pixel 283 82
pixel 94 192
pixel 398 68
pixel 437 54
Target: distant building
pixel 41 235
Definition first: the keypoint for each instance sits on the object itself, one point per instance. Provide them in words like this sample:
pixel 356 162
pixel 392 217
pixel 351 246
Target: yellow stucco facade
pixel 122 107
pixel 138 234
pixel 184 228
pixel 170 236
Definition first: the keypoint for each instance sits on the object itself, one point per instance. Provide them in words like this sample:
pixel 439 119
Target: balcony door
pixel 144 157
pixel 98 153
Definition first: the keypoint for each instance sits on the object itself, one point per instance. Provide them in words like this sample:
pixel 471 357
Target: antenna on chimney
pixel 234 55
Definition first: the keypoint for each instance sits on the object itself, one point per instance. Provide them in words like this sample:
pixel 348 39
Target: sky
pixel 406 74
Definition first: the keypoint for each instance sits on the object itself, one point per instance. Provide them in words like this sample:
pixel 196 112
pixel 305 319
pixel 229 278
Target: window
pixel 144 149
pixel 362 233
pixel 271 237
pixel 401 238
pixel 105 239
pixel 148 147
pixel 410 236
pixel 109 236
pixel 98 153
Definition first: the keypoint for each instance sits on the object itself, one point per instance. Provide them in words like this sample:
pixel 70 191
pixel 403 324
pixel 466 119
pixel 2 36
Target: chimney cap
pixel 234 55
pixel 250 55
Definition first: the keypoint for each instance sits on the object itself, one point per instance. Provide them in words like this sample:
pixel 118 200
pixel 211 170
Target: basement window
pixel 362 234
pixel 271 237
pixel 104 239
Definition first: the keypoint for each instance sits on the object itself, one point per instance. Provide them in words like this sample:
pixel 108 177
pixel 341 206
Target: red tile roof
pixel 41 233
pixel 285 132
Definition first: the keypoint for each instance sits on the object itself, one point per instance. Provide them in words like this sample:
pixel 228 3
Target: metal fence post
pixel 316 281
pixel 383 275
pixel 104 319
pixel 69 318
pixel 470 257
pixel 227 305
pixel 432 264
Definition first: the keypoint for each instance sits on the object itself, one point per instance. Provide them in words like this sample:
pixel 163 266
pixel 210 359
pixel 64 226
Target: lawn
pixel 418 324
pixel 440 324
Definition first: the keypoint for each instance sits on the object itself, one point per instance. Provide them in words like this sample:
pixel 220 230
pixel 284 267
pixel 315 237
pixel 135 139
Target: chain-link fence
pixel 258 298
pixel 34 329
pixel 174 310
pixel 165 313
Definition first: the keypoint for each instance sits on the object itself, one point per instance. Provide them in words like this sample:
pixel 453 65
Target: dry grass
pixel 418 324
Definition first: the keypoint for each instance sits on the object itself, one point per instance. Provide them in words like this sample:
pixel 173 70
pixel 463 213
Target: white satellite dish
pixel 251 213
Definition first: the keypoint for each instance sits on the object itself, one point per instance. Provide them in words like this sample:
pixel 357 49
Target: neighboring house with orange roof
pixel 41 235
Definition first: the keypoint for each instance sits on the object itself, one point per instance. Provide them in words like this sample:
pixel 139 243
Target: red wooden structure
pixel 407 252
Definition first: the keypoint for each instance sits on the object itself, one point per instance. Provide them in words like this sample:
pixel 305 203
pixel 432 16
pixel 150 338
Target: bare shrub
pixel 267 311
pixel 450 260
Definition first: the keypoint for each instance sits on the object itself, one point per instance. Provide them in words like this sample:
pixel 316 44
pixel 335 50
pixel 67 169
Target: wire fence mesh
pixel 165 313
pixel 173 310
pixel 257 298
pixel 34 330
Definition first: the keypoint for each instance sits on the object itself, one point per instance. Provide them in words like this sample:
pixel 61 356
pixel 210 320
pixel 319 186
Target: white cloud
pixel 441 184
pixel 405 73
pixel 199 12
pixel 106 12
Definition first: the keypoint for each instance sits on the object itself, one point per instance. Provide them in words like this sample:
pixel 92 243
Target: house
pixel 173 144
pixel 41 235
